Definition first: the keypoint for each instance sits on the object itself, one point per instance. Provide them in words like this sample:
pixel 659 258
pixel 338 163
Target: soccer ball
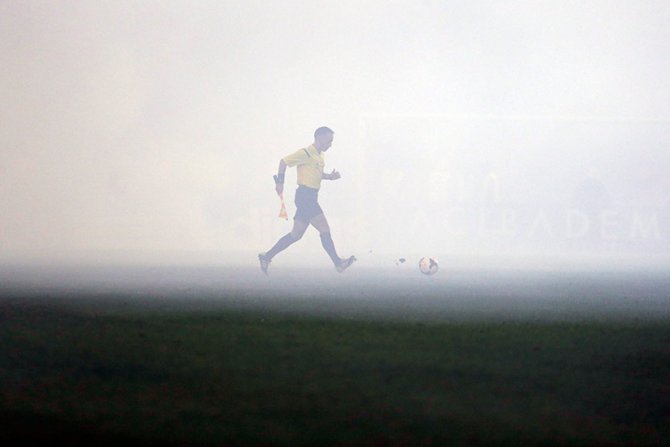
pixel 428 265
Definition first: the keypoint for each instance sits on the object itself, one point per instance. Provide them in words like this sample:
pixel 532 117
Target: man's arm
pixel 279 178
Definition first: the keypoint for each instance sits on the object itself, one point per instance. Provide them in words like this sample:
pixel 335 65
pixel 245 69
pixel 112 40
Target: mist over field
pixel 149 131
pixel 524 144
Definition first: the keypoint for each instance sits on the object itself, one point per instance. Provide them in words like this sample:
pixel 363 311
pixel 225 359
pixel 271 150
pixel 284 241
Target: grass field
pixel 121 369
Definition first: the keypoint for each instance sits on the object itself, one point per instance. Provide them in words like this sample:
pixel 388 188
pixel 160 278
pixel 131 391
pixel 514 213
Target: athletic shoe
pixel 265 262
pixel 345 263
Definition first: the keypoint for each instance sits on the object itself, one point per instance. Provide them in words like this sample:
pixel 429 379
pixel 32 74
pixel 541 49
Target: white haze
pixel 150 130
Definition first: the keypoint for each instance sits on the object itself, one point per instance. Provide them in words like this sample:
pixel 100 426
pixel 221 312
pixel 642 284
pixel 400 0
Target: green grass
pixel 113 374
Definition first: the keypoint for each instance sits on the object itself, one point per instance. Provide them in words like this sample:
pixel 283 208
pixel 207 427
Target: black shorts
pixel 306 203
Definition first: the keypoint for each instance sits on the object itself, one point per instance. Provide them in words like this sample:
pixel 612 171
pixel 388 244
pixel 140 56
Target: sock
pixel 281 245
pixel 329 246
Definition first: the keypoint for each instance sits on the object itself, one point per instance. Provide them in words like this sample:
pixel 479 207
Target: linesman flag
pixel 282 210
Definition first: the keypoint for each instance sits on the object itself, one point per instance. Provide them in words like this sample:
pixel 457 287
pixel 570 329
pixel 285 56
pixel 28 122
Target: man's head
pixel 323 138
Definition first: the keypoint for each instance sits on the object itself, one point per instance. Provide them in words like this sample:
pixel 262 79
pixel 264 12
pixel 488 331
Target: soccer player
pixel 310 163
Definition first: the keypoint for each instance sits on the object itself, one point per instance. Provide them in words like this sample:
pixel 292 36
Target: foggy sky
pixel 146 128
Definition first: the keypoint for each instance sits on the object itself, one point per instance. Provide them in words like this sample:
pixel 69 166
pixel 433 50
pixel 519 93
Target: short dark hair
pixel 322 130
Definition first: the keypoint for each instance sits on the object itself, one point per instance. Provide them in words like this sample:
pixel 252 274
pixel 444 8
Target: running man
pixel 310 163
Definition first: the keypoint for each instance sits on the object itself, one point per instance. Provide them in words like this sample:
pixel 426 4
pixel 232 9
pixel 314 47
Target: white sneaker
pixel 265 262
pixel 345 263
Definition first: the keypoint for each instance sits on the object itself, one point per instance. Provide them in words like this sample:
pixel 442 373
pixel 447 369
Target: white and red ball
pixel 428 265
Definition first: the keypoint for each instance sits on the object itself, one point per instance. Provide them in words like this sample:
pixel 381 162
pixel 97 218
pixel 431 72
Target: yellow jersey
pixel 310 163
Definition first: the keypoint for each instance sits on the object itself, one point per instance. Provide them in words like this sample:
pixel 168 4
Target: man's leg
pixel 321 224
pixel 283 243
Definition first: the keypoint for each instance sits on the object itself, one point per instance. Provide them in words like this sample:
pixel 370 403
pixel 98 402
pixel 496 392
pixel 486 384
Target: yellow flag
pixel 282 211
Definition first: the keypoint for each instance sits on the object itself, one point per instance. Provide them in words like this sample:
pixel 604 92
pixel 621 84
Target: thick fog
pixel 150 130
